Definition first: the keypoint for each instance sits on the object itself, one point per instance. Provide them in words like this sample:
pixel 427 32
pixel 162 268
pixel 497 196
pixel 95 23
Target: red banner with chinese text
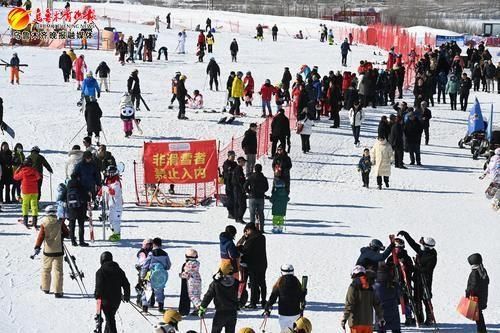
pixel 180 162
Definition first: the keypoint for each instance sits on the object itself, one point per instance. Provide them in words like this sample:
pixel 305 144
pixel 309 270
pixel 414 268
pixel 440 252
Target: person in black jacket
pixel 256 186
pixel 65 65
pixel 6 165
pixel 181 97
pixel 234 50
pixel 291 297
pixel 103 71
pixel 213 71
pixel 425 263
pixel 426 117
pixel 253 250
pixel 465 86
pixel 274 31
pixel 413 131
pixel 224 292
pixel 397 142
pixel 285 81
pixel 134 88
pixel 93 114
pixel 249 146
pixel 281 166
pixel 76 204
pixel 238 182
pixel 384 129
pixel 280 131
pixel 229 87
pixel 109 282
pixel 227 174
pixel 477 286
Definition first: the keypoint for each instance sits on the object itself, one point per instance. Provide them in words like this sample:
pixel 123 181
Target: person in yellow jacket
pixel 73 57
pixel 237 93
pixel 210 41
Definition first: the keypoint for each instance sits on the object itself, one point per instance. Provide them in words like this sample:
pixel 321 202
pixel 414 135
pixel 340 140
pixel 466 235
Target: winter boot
pixel 35 222
pixel 114 237
pixel 58 295
pixel 160 307
pixel 25 221
pixel 145 308
pixel 73 241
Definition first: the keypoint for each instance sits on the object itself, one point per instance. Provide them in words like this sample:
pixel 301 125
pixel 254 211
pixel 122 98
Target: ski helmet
pixel 191 253
pixel 172 317
pixel 246 330
pixel 302 325
pixel 127 112
pixel 287 269
pixel 226 268
pixel 35 149
pixel 268 81
pixel 428 242
pixel 50 210
pixel 358 269
pixel 111 171
pixel 106 256
pixel 475 259
pixel 377 245
pixel 398 242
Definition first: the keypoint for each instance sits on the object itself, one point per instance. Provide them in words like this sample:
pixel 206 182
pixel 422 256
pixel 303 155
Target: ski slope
pixel 330 216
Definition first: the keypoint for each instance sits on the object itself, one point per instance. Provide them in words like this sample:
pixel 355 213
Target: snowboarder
pixel 154 272
pixel 290 296
pixel 76 204
pixel 227 175
pixel 112 188
pixel 65 65
pixel 364 166
pixel 90 88
pixel 237 91
pixel 190 275
pixel 29 177
pixel 104 75
pixel 79 66
pixel 279 200
pixel 39 162
pixel 93 114
pixel 224 292
pixel 14 68
pixel 382 157
pixel 274 32
pixel 134 88
pixel 213 71
pixel 238 182
pixel 51 234
pixel 477 286
pixel 234 50
pixel 169 324
pixel 345 48
pixel 256 186
pixel 110 280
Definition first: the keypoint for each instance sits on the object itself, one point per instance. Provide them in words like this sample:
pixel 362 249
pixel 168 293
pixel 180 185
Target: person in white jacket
pixel 381 158
pixel 182 42
pixel 75 156
pixel 112 192
pixel 356 117
pixel 304 128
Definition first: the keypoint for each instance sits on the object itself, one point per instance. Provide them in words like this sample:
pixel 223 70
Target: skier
pixel 260 33
pixel 360 303
pixel 93 114
pixel 110 280
pixel 477 286
pixel 169 324
pixel 65 65
pixel 104 72
pixel 213 70
pixel 227 174
pixel 345 48
pixel 181 94
pixel 267 91
pixel 291 298
pixel 79 66
pixel 387 291
pixel 210 42
pixel 134 88
pixel 76 203
pixel 39 162
pixel 234 50
pixel 248 82
pixel 182 42
pixel 224 291
pixel 14 68
pixel 382 157
pixel 154 272
pixel 122 49
pixel 253 250
pixel 356 117
pixel 425 262
pixel 228 251
pixel 90 88
pixel 364 166
pixel 112 187
pixel 249 146
pixel 51 234
pixel 280 131
pixel 238 182
pixel 237 91
pixel 274 32
pixel 29 177
pixel 190 275
pixel 168 21
pixel 370 257
pixel 279 200
pixel 256 186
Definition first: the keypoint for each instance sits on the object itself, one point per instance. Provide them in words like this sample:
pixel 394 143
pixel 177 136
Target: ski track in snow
pixel 329 215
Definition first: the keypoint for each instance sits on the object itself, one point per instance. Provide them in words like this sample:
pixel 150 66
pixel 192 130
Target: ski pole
pixel 37 252
pixel 104 134
pixel 50 185
pixel 204 324
pixel 263 325
pixel 81 129
pixel 139 311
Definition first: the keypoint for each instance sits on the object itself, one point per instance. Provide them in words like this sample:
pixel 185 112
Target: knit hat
pixel 226 268
pixel 191 253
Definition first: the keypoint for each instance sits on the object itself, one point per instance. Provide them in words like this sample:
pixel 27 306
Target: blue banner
pixel 440 39
pixel 475 122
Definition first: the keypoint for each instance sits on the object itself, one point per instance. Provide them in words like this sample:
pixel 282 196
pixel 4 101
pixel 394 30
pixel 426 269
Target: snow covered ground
pixel 330 215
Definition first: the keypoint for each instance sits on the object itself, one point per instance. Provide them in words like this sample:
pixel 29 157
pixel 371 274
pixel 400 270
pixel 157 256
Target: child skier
pixel 196 101
pixel 191 283
pixel 29 177
pixel 112 192
pixel 279 200
pixel 364 166
pixel 127 114
pixel 154 272
pixel 330 37
pixel 142 255
pixel 477 286
pixel 61 202
pixel 171 318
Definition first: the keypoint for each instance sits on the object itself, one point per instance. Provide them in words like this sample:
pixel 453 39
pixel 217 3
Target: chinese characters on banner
pixel 180 162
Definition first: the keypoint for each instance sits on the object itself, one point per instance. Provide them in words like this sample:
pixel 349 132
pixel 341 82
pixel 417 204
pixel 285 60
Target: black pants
pixel 230 200
pixel 235 108
pixel 182 108
pixel 130 56
pixel 414 150
pixel 164 51
pixel 258 286
pixel 174 97
pixel 16 190
pixel 226 320
pixel 282 141
pixel 481 326
pixel 426 133
pixel 136 99
pixel 240 204
pixel 66 75
pixel 441 92
pixel 355 133
pixel 110 310
pixel 95 133
pixel 464 99
pixel 476 85
pixel 213 79
pixel 344 59
pixel 209 48
pixel 81 229
pixel 336 118
pixel 275 37
pixel 398 157
pixel 139 53
pixel 233 57
pixel 7 192
pixel 306 146
pixel 122 57
pixel 365 177
pixel 379 180
pixel 453 101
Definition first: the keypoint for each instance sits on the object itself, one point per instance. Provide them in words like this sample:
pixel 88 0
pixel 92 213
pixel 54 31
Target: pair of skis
pixel 226 120
pixel 6 64
pixel 75 272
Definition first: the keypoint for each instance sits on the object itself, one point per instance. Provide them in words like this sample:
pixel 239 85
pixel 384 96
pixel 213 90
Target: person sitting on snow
pixel 196 101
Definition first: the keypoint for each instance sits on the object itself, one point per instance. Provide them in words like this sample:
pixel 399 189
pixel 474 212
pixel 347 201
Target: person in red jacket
pixel 29 177
pixel 249 88
pixel 267 91
pixel 346 81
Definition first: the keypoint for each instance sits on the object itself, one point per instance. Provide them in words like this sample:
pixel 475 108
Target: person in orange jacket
pixel 29 178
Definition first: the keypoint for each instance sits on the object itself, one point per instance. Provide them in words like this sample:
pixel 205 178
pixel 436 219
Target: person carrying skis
pixel 154 271
pixel 65 65
pixel 134 88
pixel 425 263
pixel 79 66
pixel 112 192
pixel 191 278
pixel 370 257
pixel 169 324
pixel 344 49
pixel 290 295
pixel 90 88
pixel 227 174
pixel 110 280
pixel 248 82
pixel 213 71
pixel 387 291
pixel 14 68
pixel 360 303
pixel 103 71
pixel 223 290
pixel 29 177
pixel 234 50
pixel 76 204
pixel 51 235
pixel 477 287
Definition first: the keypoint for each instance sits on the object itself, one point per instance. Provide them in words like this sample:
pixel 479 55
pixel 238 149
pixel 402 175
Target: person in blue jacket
pixel 157 257
pixel 90 88
pixel 387 292
pixel 87 173
pixel 372 254
pixel 228 251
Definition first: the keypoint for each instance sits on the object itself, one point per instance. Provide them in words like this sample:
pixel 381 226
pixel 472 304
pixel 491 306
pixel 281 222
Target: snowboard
pixel 493 188
pixel 9 130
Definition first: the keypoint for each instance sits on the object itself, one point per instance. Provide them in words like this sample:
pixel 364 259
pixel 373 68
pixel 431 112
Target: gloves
pixel 201 312
pixel 342 324
pixel 266 313
pixel 126 298
pixel 37 251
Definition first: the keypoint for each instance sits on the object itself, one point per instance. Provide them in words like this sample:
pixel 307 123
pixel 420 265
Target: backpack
pixel 158 277
pixel 73 198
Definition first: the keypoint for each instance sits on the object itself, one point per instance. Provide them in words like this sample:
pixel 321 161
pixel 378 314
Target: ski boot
pixel 58 295
pixel 35 222
pixel 145 308
pixel 114 237
pixel 160 307
pixel 410 322
pixel 25 221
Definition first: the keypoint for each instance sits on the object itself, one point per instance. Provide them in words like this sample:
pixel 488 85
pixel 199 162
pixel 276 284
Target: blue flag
pixel 489 132
pixel 475 122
